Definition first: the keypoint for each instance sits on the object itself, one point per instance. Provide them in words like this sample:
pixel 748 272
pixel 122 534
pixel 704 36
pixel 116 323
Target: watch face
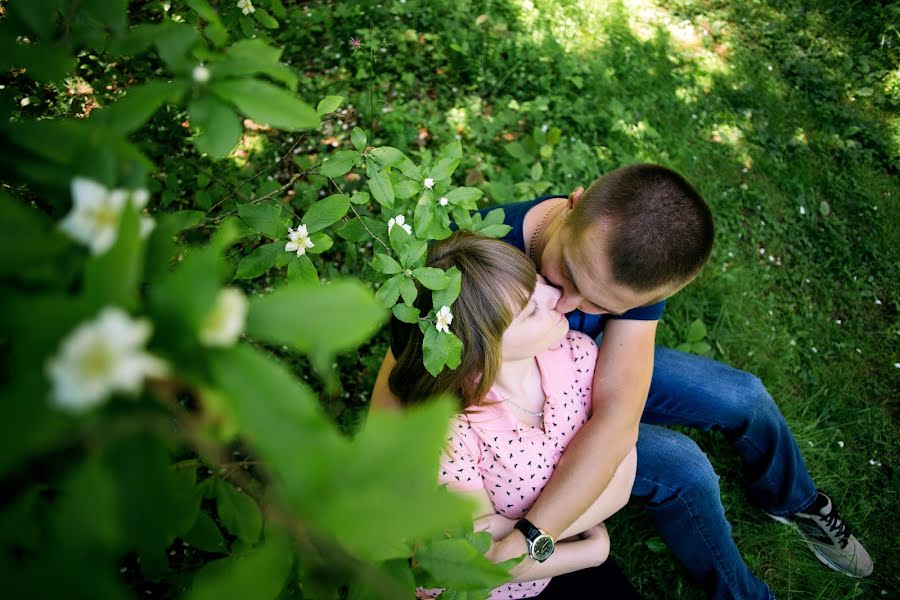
pixel 542 548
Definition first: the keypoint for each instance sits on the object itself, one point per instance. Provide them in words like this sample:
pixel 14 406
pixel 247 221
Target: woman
pixel 524 383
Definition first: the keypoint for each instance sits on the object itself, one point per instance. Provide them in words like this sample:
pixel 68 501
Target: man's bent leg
pixel 699 392
pixel 682 495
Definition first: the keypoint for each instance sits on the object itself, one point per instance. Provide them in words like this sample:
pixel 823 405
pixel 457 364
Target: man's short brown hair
pixel 659 231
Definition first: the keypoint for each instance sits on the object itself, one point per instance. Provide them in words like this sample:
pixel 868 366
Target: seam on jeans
pixel 703 536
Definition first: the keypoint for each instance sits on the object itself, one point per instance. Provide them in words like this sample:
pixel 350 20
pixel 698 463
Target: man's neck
pixel 552 220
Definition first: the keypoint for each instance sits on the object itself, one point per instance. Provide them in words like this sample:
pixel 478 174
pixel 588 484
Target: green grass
pixel 766 107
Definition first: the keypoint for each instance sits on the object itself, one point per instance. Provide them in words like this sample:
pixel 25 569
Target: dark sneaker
pixel 829 538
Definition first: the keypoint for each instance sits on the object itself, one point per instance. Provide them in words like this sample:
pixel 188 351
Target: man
pixel 638 235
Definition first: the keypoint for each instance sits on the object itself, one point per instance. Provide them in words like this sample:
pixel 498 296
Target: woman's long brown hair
pixel 497 281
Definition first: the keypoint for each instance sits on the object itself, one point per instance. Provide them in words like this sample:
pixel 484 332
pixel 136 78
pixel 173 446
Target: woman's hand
pixel 496 524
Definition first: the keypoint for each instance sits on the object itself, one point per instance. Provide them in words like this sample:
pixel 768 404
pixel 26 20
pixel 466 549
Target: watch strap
pixel 528 529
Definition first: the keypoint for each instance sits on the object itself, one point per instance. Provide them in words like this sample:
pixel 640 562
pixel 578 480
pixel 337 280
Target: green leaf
pixel 400 240
pixel 385 264
pixel 259 261
pixel 322 242
pixel 405 484
pixel 463 218
pixel 433 279
pixel 435 350
pixel 267 20
pixel 458 565
pixel 389 291
pixel 696 331
pixel 353 231
pixel 495 231
pixel 685 347
pixel 253 56
pixel 554 135
pixel 408 168
pixel 238 512
pixel 359 198
pixel 494 217
pixel 358 137
pixel 413 254
pixel 325 212
pixel 303 270
pixel 264 218
pixel 444 168
pixel 408 290
pixel 424 215
pixel 448 295
pixel 41 62
pixel 266 103
pixel 339 163
pixel 387 156
pixel 516 150
pixel 537 171
pixel 174 42
pixel 452 151
pixel 546 151
pixel 379 184
pixel 205 535
pixel 700 348
pixel 132 110
pixel 114 277
pixel 218 126
pixel 328 105
pixel 464 197
pixel 316 319
pixel 407 314
pixel 656 545
pixel 454 351
pixel 259 574
pixel 407 188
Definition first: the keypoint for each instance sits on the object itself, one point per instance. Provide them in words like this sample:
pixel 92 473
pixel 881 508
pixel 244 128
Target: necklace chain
pixel 539 413
pixel 537 231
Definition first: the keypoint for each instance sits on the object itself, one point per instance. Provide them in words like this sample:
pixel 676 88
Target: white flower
pixel 428 183
pixel 400 221
pixel 444 317
pixel 101 357
pixel 802 210
pixel 299 240
pixel 443 201
pixel 545 127
pixel 225 322
pixel 840 444
pixel 96 210
pixel 200 74
pixel 246 6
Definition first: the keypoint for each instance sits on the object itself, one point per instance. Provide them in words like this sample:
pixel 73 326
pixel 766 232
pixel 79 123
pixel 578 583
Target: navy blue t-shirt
pixel 592 325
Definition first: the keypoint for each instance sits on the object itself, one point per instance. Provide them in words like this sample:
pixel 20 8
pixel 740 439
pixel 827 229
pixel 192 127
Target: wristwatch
pixel 540 544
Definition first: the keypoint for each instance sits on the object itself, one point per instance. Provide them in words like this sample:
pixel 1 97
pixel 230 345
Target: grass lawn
pixel 783 115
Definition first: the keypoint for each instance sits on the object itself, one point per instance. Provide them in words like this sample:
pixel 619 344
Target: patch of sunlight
pixel 251 143
pixel 732 135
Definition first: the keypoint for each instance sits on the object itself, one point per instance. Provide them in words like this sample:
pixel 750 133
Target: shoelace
pixel 838 526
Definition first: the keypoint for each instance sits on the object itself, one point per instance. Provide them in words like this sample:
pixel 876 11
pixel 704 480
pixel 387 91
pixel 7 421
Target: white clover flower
pixel 444 317
pixel 443 201
pixel 200 74
pixel 246 6
pixel 101 357
pixel 94 219
pixel 299 240
pixel 802 210
pixel 428 183
pixel 225 322
pixel 545 127
pixel 400 221
pixel 840 444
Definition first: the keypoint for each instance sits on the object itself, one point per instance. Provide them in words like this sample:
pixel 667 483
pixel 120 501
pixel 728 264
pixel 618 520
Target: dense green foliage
pixel 239 467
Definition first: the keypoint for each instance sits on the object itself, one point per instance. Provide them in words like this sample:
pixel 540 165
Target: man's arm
pixel 621 383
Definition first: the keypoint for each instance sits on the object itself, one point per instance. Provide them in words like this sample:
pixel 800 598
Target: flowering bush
pixel 155 438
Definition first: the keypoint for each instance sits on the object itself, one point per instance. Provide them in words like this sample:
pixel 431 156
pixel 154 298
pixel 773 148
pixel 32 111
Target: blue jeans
pixel 679 485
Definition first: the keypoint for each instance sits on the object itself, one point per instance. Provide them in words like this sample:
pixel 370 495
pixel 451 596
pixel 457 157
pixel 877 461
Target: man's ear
pixel 575 197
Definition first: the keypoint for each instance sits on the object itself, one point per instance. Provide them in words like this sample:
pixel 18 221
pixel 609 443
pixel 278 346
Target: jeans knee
pixel 679 466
